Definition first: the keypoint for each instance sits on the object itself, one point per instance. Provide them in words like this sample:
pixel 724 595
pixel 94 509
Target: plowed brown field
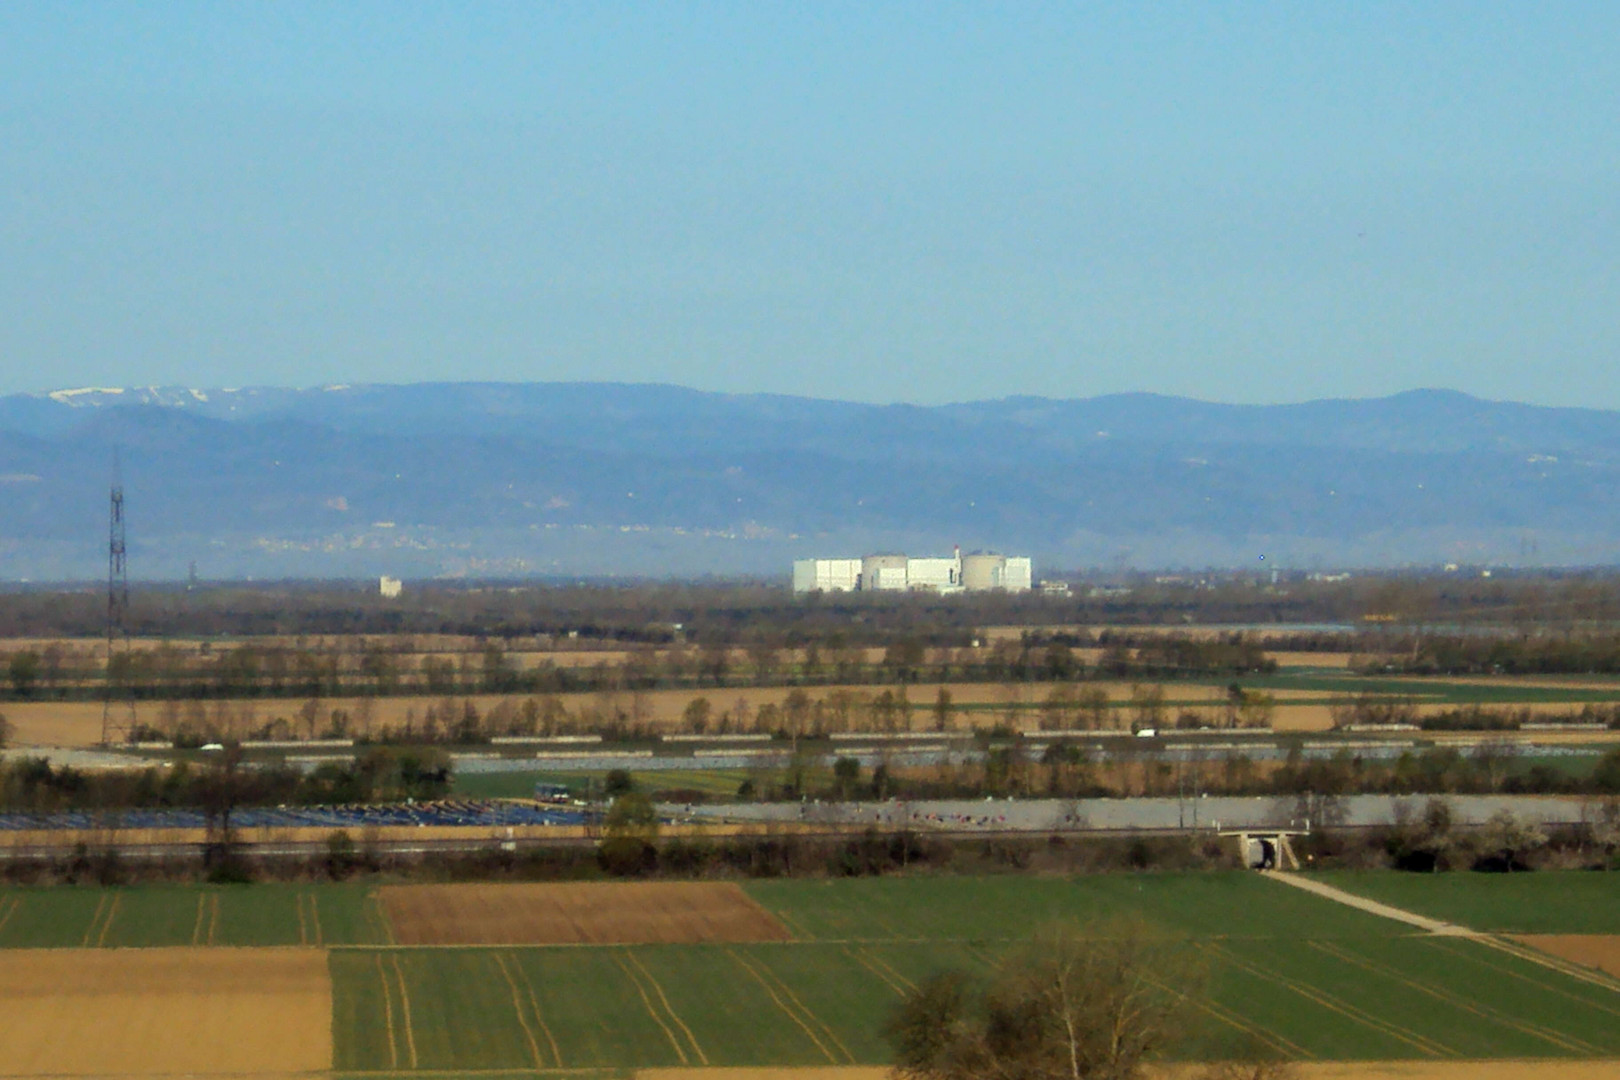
pixel 629 913
pixel 1601 951
pixel 151 1012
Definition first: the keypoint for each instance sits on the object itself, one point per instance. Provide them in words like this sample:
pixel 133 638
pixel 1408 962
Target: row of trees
pixel 378 774
pixel 1373 710
pixel 1067 770
pixel 801 713
pixel 1586 652
pixel 736 613
pixel 382 667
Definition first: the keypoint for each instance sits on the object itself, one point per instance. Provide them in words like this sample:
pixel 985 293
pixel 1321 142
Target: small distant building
pixel 390 587
pixel 900 573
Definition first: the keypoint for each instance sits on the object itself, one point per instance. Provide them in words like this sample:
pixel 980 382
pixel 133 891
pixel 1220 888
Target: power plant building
pixel 827 575
pixel 900 573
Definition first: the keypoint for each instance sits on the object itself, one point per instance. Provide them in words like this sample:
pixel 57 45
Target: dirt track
pixel 150 1012
pixel 597 913
pixel 1372 907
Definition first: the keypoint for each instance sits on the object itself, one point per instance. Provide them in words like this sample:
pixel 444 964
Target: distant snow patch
pixel 65 397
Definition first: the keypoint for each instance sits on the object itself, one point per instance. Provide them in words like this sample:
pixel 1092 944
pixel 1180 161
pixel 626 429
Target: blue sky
pixel 882 202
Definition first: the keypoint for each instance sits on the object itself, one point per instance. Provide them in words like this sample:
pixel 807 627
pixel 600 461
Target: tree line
pixel 376 775
pixel 734 613
pixel 1586 653
pixel 385 667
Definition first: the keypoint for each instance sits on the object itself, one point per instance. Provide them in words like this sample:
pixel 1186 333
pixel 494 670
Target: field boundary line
pixel 807 1010
pixel 379 912
pixel 197 926
pixel 1337 1004
pixel 213 918
pixel 1232 1018
pixel 534 1001
pixel 517 1007
pixel 828 942
pixel 1555 963
pixel 388 1014
pixel 8 908
pixel 884 965
pixel 793 924
pixel 1522 977
pixel 669 1032
pixel 405 1009
pixel 315 918
pixel 95 919
pixel 875 970
pixel 759 978
pixel 668 1008
pixel 303 930
pixel 1485 1012
pixel 107 923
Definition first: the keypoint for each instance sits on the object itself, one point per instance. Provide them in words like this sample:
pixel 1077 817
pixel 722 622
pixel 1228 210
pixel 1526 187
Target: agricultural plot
pixel 1546 902
pixel 599 913
pixel 988 909
pixel 821 1004
pixel 164 1012
pixel 519 784
pixel 1312 979
pixel 157 916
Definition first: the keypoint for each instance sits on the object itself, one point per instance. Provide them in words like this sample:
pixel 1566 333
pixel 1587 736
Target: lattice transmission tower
pixel 118 701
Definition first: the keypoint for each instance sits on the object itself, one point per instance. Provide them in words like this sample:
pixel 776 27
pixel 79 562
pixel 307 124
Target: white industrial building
pixel 979 572
pixel 826 575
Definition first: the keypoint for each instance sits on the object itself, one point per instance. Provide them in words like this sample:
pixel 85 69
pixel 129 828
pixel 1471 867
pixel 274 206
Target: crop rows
pixel 66 918
pixel 1310 978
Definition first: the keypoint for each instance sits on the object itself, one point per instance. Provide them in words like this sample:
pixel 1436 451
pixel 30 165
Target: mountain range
pixel 594 479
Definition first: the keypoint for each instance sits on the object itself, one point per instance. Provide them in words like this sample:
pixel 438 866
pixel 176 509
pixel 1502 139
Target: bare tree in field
pixel 1071 1006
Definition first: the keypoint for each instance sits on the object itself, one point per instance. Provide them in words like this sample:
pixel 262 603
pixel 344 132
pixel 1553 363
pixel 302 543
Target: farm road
pixel 1373 907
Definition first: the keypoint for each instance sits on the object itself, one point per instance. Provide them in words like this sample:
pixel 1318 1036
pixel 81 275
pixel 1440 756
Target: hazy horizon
pixel 65 394
pixel 898 202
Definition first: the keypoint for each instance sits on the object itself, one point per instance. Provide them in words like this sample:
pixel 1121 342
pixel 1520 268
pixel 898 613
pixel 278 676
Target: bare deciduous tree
pixel 1070 1006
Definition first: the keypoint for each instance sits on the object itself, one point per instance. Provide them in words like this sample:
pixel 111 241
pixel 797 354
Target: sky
pixel 878 202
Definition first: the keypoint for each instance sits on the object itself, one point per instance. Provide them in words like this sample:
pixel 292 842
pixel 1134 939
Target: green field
pixel 1569 902
pixel 71 918
pixel 1311 978
pixel 716 783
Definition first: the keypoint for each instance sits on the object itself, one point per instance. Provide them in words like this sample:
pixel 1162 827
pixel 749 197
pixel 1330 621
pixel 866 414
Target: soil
pixel 1601 951
pixel 149 1012
pixel 597 913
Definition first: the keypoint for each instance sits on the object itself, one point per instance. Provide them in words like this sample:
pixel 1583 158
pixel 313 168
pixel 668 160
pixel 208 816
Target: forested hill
pixel 588 479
